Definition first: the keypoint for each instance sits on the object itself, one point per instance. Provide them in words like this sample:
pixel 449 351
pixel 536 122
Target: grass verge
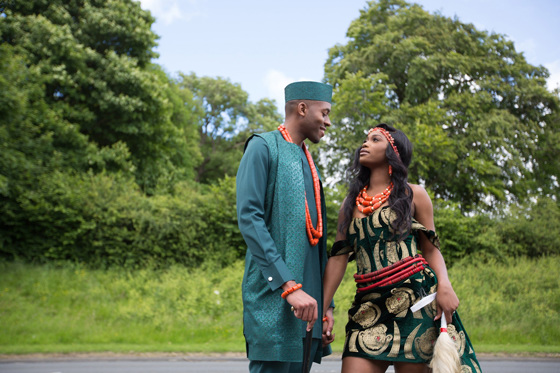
pixel 510 307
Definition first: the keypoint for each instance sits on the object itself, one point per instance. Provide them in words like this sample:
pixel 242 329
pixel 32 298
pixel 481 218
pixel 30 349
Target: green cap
pixel 308 91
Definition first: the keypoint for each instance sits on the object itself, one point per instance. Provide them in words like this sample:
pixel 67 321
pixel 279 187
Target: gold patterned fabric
pixel 381 325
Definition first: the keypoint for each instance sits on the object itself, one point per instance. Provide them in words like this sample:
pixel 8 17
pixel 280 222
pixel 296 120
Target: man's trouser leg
pixel 256 366
pixel 274 367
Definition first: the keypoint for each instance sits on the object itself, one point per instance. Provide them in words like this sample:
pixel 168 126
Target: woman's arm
pixel 336 267
pixel 446 298
pixel 334 272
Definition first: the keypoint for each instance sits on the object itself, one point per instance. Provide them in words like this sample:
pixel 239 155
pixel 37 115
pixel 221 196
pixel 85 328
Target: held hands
pixel 328 335
pixel 304 305
pixel 446 301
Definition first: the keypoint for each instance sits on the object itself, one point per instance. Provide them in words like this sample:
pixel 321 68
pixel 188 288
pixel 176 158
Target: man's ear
pixel 302 108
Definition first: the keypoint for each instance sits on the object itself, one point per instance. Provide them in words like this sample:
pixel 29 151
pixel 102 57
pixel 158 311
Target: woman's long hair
pixel 400 199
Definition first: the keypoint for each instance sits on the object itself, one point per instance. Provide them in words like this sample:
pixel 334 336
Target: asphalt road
pixel 189 364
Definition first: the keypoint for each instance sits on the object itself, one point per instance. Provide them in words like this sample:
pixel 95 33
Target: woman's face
pixel 373 150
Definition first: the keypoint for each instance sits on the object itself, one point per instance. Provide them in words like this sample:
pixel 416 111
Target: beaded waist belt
pixel 392 274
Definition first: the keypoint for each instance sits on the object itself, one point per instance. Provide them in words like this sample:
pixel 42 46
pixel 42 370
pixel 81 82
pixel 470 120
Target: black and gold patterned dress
pixel 381 325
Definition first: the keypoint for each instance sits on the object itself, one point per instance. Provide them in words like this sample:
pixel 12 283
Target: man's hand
pixel 305 306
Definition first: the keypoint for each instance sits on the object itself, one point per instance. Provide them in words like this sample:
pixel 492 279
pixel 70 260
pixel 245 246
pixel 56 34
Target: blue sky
pixel 264 45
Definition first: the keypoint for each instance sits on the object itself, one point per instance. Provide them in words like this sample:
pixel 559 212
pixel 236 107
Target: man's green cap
pixel 308 91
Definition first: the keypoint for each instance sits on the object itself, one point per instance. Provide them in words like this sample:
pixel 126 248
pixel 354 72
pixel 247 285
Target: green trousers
pixel 256 366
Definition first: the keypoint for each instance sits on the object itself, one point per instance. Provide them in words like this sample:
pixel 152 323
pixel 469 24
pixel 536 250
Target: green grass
pixel 511 307
pixel 48 309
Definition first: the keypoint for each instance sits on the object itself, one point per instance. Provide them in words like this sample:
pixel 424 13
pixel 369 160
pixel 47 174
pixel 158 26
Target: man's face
pixel 316 120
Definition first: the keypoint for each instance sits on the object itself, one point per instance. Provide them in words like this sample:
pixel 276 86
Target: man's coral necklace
pixel 312 234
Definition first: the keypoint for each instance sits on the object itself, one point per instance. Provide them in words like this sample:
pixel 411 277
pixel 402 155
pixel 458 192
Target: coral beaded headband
pixel 388 136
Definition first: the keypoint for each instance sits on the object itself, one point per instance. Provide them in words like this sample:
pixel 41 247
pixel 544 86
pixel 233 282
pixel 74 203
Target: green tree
pixel 262 117
pixel 94 58
pixel 83 111
pixel 227 118
pixel 483 124
pixel 35 144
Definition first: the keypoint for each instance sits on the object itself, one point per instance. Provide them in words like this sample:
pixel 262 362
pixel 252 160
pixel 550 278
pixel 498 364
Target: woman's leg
pixel 402 367
pixel 352 364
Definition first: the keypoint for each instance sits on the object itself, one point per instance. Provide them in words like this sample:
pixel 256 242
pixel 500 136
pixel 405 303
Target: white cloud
pixel 553 81
pixel 169 11
pixel 275 81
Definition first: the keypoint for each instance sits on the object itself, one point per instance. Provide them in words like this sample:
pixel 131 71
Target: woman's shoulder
pixel 420 197
pixel 418 190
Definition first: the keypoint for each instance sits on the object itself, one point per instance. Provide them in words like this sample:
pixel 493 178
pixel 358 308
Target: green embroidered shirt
pixel 272 182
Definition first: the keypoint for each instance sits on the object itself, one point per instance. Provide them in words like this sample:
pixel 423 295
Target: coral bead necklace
pixel 367 205
pixel 312 234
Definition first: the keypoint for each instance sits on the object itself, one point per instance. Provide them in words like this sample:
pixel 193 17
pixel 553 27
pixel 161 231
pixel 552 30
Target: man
pixel 282 216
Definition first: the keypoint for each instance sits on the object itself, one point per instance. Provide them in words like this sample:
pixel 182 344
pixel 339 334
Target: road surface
pixel 228 364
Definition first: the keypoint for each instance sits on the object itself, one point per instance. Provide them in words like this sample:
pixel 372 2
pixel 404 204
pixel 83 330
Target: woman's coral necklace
pixel 312 234
pixel 367 205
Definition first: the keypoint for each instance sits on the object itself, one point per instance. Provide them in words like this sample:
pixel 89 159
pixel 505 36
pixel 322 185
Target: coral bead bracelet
pixel 291 290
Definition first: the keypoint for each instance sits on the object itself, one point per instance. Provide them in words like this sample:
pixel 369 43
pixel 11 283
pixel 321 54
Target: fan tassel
pixel 446 357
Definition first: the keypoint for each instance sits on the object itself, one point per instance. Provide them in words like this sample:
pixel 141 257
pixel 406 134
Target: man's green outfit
pixel 273 181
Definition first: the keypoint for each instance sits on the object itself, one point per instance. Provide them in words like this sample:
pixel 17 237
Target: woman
pixel 384 223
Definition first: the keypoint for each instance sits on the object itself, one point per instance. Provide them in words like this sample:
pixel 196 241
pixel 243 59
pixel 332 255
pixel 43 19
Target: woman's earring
pixel 390 170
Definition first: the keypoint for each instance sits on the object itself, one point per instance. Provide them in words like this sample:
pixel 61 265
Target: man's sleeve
pixel 252 177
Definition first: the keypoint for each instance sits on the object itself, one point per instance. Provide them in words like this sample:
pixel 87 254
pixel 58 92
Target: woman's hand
pixel 328 335
pixel 446 301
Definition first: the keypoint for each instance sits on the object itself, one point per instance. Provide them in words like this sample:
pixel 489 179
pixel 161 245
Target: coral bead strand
pixel 312 234
pixel 367 205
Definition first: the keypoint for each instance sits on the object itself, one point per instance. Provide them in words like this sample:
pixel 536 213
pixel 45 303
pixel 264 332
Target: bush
pixel 104 220
pixel 532 230
pixel 461 235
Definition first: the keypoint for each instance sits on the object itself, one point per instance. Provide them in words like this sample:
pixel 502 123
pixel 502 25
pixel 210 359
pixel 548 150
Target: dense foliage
pixel 106 160
pixel 227 119
pixel 100 151
pixel 92 60
pixel 484 126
